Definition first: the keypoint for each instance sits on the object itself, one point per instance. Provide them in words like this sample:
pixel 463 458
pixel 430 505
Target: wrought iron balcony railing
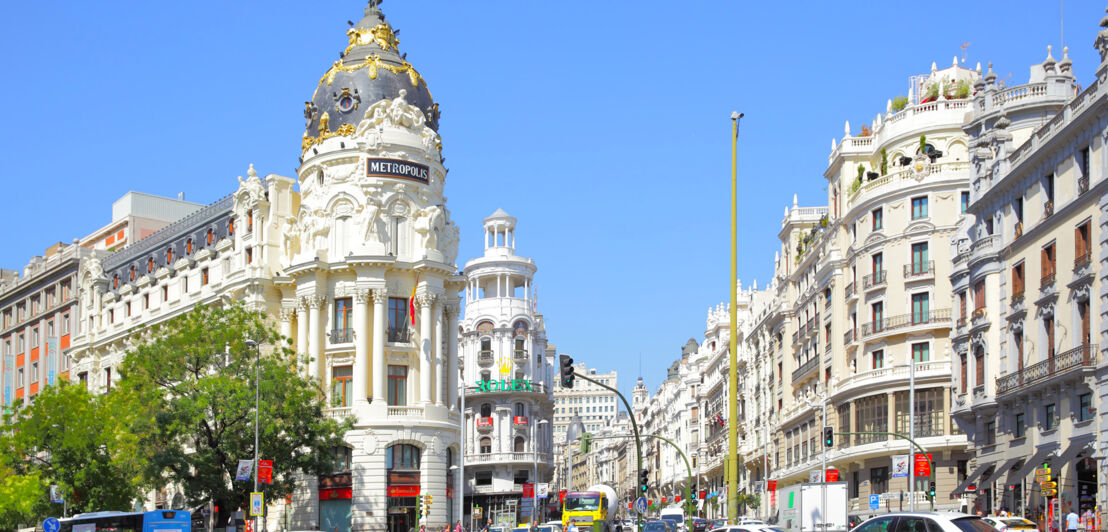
pixel 1081 356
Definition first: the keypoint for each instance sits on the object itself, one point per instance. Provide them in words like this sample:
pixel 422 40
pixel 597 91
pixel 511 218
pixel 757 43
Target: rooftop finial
pixel 955 63
pixel 990 76
pixel 794 200
pixel 1065 66
pixel 846 128
pixel 1049 62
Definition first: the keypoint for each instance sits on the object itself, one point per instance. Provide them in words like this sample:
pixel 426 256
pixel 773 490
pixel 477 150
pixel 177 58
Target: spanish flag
pixel 411 300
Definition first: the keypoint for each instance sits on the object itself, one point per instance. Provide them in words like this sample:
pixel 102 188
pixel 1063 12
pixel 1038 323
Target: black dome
pixel 370 70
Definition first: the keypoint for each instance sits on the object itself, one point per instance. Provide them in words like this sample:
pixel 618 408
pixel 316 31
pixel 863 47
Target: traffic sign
pixel 1048 485
pixel 874 502
pixel 1042 472
pixel 1042 478
pixel 542 490
pixel 1049 492
pixel 257 504
pixel 51 524
pixel 640 505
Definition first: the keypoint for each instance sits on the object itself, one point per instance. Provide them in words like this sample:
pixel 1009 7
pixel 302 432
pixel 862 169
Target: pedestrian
pixel 1071 520
pixel 572 527
pixel 458 526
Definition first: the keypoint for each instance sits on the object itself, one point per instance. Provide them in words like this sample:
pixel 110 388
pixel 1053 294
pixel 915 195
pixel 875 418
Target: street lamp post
pixel 257 394
pixel 733 358
pixel 535 466
pixel 574 431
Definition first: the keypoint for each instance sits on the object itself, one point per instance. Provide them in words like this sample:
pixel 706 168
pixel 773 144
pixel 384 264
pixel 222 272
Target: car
pixel 925 522
pixel 656 526
pixel 699 525
pixel 554 526
pixel 737 528
pixel 716 523
pixel 1011 523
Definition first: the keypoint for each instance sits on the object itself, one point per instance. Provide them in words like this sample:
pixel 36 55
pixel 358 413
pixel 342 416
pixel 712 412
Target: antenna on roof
pixel 965 45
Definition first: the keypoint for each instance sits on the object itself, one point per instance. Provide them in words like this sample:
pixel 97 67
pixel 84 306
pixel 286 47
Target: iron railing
pixel 876 278
pixel 342 336
pixel 485 357
pixel 1081 356
pixel 919 269
pixel 806 368
pixel 905 320
pixel 400 334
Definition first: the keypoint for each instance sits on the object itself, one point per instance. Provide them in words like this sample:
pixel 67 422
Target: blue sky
pixel 602 126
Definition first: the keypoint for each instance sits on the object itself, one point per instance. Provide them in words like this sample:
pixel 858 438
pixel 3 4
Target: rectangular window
pixel 878 219
pixel 342 313
pixel 919 207
pixel 108 379
pixel 165 293
pixel 979 295
pixel 1049 417
pixel 1048 266
pixel 877 311
pixel 877 265
pixel 879 480
pixel 878 359
pixel 965 201
pixel 1048 193
pixel 1019 428
pixel 1085 407
pixel 964 370
pixel 341 386
pixel 398 385
pixel 979 365
pixel 990 433
pixel 50 333
pixel 1048 330
pixel 34 372
pixel 921 311
pixel 398 312
pixel 920 264
pixel 1017 280
pixel 962 304
pixel 921 352
pixel 249 255
pixel 21 345
pixel 1081 245
pixel 34 338
pixel 19 382
pixel 65 324
pixel 1017 349
pixel 204 277
pixel 145 301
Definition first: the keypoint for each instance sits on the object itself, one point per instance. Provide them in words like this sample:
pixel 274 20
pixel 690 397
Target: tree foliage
pixel 194 377
pixel 77 441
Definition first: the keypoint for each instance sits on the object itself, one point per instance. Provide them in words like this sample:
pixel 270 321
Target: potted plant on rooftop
pixel 899 103
pixel 931 93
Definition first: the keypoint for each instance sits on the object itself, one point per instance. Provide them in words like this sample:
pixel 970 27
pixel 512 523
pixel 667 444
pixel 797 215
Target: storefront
pixel 402 463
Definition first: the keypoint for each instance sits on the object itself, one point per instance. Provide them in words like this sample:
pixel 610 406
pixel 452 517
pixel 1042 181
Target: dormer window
pixel 210 237
pixel 169 256
pixel 150 265
pixel 132 274
pixel 188 247
pixel 115 281
pixel 231 226
pixel 250 220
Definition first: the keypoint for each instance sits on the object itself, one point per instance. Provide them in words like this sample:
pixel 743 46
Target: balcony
pixel 1016 301
pixel 485 357
pixel 848 337
pixel 1046 282
pixel 985 247
pixel 520 355
pixel 342 336
pixel 851 290
pixel 405 411
pixel 484 424
pixel 1082 260
pixel 520 421
pixel 1048 209
pixel 522 457
pixel 339 413
pixel 905 320
pixel 874 280
pixel 1082 185
pixel 979 317
pixel 805 369
pixel 1084 356
pixel 401 334
pixel 919 270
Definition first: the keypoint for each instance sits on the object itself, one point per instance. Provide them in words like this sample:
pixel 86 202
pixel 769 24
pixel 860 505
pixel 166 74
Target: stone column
pixel 361 350
pixel 424 302
pixel 286 321
pixel 380 392
pixel 315 324
pixel 302 332
pixel 441 382
pixel 452 356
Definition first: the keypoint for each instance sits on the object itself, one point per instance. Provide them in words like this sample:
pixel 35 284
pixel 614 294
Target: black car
pixel 699 525
pixel 655 526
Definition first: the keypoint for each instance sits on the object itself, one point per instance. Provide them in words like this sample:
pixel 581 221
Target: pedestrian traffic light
pixel 644 478
pixel 931 489
pixel 565 362
pixel 828 437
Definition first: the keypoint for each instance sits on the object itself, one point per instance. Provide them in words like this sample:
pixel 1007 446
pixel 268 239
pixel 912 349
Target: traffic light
pixel 931 489
pixel 419 506
pixel 828 437
pixel 565 362
pixel 644 479
pixel 427 501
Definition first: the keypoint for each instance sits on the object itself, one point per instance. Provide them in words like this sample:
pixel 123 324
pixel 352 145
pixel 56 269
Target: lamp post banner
pixel 244 469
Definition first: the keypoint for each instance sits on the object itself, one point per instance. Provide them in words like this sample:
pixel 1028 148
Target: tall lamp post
pixel 535 483
pixel 257 394
pixel 733 356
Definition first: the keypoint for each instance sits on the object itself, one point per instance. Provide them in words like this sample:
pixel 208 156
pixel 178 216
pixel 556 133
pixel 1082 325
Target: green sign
pixel 505 385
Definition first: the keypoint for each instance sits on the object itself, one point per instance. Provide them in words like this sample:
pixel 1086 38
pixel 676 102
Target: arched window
pixel 150 265
pixel 486 410
pixel 518 444
pixel 402 456
pixel 188 247
pixel 231 226
pixel 115 281
pixel 519 409
pixel 211 237
pixel 169 256
pixel 249 220
pixel 486 445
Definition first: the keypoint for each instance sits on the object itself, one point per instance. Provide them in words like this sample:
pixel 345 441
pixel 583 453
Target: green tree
pixel 77 441
pixel 194 376
pixel 19 497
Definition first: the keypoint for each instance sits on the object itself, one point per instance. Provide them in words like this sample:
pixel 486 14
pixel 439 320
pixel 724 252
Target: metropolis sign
pixel 505 385
pixel 397 168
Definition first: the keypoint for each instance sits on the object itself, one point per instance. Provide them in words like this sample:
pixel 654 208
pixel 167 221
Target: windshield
pixel 672 517
pixel 582 503
pixel 972 524
pixel 654 527
pixel 1018 523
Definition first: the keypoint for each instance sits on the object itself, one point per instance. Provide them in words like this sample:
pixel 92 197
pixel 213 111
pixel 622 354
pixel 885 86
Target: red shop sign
pixel 772 485
pixel 336 493
pixel 484 422
pixel 832 474
pixel 923 465
pixel 403 491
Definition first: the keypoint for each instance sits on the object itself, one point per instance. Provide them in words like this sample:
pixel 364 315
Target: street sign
pixel 1042 478
pixel 542 491
pixel 1049 492
pixel 257 504
pixel 813 477
pixel 640 505
pixel 1048 485
pixel 832 474
pixel 51 524
pixel 56 494
pixel 265 471
pixel 874 502
pixel 1042 472
pixel 900 465
pixel 244 469
pixel 528 490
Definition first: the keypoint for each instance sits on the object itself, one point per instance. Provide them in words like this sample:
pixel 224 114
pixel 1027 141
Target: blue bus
pixel 155 521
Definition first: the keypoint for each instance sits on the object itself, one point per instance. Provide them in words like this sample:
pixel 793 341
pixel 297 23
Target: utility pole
pixel 912 430
pixel 257 394
pixel 733 355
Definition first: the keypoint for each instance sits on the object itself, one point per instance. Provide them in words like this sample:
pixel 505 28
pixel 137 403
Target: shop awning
pixel 1003 469
pixel 1035 461
pixel 1075 447
pixel 987 468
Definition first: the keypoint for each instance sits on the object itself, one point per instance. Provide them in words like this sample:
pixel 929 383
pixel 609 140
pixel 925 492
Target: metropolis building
pixel 333 255
pixel 507 370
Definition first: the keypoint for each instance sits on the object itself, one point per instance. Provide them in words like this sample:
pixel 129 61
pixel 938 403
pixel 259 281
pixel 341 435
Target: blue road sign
pixel 640 505
pixel 51 524
pixel 874 502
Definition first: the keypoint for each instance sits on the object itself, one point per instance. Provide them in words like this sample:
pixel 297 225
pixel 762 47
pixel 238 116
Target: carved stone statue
pixel 290 239
pixel 428 223
pixel 368 220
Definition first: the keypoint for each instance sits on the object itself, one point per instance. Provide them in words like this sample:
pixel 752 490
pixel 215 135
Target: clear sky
pixel 602 126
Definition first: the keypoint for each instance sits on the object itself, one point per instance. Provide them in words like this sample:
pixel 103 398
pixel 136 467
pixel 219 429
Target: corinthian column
pixel 361 350
pixel 380 393
pixel 440 377
pixel 424 301
pixel 452 355
pixel 302 332
pixel 315 322
pixel 286 321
